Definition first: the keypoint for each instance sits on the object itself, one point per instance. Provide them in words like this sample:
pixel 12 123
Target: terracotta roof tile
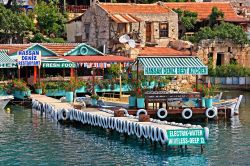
pixel 204 9
pixel 130 8
pixel 97 59
pixel 162 51
pixel 58 48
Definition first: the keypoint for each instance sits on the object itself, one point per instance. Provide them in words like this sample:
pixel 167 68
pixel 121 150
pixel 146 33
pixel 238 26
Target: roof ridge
pixel 152 4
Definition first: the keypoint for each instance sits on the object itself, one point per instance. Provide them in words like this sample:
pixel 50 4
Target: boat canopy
pixel 172 65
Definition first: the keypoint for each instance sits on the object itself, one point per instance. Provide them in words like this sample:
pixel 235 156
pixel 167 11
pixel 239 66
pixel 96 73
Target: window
pixel 163 30
pixel 87 28
pixel 121 28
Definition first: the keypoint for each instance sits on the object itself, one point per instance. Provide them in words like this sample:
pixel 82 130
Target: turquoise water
pixel 26 138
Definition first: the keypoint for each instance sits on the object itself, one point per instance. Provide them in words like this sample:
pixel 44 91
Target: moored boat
pixel 4 100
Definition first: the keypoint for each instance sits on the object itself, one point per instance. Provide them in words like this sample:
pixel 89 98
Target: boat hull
pixel 4 100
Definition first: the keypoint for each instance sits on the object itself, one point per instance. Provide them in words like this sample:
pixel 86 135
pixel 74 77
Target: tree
pixel 14 24
pixel 224 31
pixel 187 18
pixel 214 16
pixel 50 20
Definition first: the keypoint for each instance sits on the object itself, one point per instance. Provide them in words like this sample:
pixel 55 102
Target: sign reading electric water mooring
pixel 186 137
pixel 175 70
pixel 29 58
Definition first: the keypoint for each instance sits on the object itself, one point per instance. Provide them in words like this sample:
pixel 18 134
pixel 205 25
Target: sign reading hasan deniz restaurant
pixel 29 58
pixel 175 70
pixel 186 137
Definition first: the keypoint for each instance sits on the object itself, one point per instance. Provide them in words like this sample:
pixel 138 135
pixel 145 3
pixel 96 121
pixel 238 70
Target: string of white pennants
pixel 99 65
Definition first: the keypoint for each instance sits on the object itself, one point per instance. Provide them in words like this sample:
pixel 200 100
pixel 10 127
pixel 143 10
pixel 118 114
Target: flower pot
pixel 94 102
pixel 20 94
pixel 203 103
pixel 69 96
pixel 132 101
pixel 38 91
pixel 81 89
pixel 3 92
pixel 140 103
pixel 209 102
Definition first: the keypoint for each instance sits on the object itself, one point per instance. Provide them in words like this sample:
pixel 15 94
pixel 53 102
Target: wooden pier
pixel 169 133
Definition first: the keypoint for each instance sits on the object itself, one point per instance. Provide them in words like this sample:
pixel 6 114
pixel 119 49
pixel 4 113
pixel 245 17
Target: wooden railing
pixel 76 8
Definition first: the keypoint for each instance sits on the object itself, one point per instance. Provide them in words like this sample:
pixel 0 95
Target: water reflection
pixel 27 138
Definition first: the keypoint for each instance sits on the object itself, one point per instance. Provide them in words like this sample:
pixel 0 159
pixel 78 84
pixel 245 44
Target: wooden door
pixel 148 32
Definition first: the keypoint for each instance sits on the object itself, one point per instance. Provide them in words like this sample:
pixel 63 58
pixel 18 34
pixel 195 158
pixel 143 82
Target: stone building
pixel 223 52
pixel 145 24
pixel 204 9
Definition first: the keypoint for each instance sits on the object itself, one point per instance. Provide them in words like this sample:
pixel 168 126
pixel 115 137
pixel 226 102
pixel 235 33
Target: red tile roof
pixel 97 59
pixel 162 51
pixel 131 8
pixel 58 48
pixel 204 9
pixel 124 18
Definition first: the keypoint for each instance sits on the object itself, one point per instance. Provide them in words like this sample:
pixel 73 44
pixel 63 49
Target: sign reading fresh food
pixel 186 137
pixel 58 65
pixel 175 70
pixel 29 58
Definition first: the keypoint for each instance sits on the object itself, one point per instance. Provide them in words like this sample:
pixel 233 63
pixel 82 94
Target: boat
pixel 232 104
pixel 4 100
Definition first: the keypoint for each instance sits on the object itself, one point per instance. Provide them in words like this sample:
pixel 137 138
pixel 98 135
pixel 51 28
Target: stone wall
pixel 98 21
pixel 102 28
pixel 228 50
pixel 73 29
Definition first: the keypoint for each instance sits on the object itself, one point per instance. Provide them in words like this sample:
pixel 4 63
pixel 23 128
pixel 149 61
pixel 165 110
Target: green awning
pixel 185 65
pixel 57 63
pixel 6 61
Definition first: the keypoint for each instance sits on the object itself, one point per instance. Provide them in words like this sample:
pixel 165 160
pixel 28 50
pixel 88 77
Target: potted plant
pixel 55 88
pixel 209 94
pixel 140 97
pixel 38 88
pixel 81 86
pixel 94 98
pixel 20 89
pixel 133 85
pixel 70 88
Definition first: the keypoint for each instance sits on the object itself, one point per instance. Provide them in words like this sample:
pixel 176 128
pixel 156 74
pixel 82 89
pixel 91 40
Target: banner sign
pixel 58 65
pixel 186 137
pixel 175 71
pixel 8 65
pixel 29 58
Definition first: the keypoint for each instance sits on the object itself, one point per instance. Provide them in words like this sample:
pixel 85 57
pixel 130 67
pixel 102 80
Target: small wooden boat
pixel 4 100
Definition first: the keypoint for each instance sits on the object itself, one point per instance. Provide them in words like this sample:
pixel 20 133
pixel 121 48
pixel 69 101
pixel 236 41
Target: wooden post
pixel 19 73
pixel 39 74
pixel 35 74
pixel 63 72
pixel 137 70
pixel 71 72
pixel 120 79
pixel 196 82
pixel 93 79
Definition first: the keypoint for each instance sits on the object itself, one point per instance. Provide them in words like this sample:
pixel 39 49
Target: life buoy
pixel 124 110
pixel 187 113
pixel 64 114
pixel 159 113
pixel 211 112
pixel 141 111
